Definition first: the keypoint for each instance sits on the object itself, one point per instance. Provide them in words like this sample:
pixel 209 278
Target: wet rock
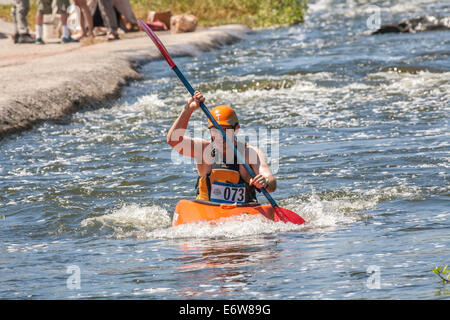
pixel 418 24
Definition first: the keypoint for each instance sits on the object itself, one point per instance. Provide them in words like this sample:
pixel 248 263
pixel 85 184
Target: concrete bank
pixel 39 83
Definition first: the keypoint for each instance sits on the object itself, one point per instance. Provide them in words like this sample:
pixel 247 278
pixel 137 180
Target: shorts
pixel 45 6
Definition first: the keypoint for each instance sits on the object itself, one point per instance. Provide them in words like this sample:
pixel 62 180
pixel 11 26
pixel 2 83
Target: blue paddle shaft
pixel 227 140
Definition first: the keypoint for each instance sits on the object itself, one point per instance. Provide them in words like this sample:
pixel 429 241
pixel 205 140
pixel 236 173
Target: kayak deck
pixel 188 211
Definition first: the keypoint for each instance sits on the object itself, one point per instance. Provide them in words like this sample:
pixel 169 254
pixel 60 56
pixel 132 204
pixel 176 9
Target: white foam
pixel 319 213
pixel 235 227
pixel 414 83
pixel 132 216
pixel 154 222
pixel 319 5
pixel 350 8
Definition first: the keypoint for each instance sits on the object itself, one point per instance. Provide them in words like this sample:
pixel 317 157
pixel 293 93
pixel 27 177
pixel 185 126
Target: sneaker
pixel 39 41
pixel 68 39
pixel 25 38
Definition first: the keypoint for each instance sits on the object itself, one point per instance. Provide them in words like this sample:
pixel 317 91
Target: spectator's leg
pixel 108 14
pixel 109 18
pixel 16 27
pixel 87 14
pixel 43 7
pixel 78 3
pixel 124 8
pixel 63 6
pixel 65 28
pixel 19 12
pixel 82 25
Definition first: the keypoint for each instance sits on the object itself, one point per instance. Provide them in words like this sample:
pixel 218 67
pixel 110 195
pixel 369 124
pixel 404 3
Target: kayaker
pixel 220 177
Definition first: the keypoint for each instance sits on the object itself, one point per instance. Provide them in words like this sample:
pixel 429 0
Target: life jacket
pixel 224 184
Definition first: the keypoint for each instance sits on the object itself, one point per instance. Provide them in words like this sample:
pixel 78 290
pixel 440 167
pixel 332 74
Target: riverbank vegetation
pixel 253 13
pixel 442 273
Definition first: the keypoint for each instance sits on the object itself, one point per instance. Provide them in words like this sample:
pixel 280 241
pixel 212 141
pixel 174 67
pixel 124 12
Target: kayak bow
pixel 188 211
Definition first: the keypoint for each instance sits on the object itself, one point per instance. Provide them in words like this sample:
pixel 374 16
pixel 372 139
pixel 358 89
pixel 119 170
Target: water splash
pixel 154 222
pixel 320 212
pixel 325 210
pixel 131 217
pixel 226 228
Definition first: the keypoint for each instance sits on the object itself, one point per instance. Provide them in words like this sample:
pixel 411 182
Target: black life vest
pixel 224 183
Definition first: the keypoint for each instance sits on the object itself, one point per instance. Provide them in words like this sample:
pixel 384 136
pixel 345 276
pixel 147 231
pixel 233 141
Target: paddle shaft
pixel 227 140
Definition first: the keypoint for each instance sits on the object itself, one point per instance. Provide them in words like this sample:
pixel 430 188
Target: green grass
pixel 253 13
pixel 5 13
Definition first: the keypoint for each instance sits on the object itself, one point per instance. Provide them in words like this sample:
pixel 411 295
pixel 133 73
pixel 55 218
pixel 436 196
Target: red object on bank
pixel 157 25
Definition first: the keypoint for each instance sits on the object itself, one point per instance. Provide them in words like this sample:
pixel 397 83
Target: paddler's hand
pixel 194 101
pixel 259 181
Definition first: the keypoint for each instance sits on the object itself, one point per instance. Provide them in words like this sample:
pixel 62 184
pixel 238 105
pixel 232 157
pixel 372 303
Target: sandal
pixel 112 36
pixel 79 36
pixel 135 27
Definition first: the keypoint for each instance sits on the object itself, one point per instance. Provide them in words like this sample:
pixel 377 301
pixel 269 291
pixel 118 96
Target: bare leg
pixel 83 29
pixel 84 11
pixel 64 17
pixel 39 19
pixel 39 23
pixel 87 14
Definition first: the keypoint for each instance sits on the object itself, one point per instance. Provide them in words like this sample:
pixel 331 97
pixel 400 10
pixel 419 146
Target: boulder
pixel 183 23
pixel 158 17
pixel 418 24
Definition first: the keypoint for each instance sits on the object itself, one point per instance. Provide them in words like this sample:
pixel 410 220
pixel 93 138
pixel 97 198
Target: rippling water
pixel 364 158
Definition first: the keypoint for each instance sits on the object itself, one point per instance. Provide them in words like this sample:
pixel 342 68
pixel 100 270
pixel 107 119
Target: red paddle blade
pixel 286 215
pixel 157 42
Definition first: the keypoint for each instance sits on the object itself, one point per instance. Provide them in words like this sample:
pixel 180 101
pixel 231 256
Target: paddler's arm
pixel 176 138
pixel 264 177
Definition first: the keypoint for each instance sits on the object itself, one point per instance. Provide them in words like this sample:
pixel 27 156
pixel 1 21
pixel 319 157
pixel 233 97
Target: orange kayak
pixel 188 211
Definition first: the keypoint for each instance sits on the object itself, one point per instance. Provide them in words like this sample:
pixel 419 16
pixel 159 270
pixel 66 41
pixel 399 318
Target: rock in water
pixel 413 25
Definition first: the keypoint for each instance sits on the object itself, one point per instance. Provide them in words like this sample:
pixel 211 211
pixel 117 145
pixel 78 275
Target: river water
pixel 360 124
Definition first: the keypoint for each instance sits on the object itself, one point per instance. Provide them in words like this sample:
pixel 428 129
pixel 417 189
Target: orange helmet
pixel 224 115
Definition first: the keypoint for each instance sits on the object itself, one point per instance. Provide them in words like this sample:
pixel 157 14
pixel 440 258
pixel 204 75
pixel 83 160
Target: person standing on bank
pixel 45 7
pixel 19 12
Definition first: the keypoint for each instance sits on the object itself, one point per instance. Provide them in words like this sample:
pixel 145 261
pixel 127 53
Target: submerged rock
pixel 413 25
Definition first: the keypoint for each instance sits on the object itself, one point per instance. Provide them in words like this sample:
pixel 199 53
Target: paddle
pixel 281 214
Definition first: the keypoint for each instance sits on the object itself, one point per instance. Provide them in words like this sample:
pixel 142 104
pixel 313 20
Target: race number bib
pixel 227 192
